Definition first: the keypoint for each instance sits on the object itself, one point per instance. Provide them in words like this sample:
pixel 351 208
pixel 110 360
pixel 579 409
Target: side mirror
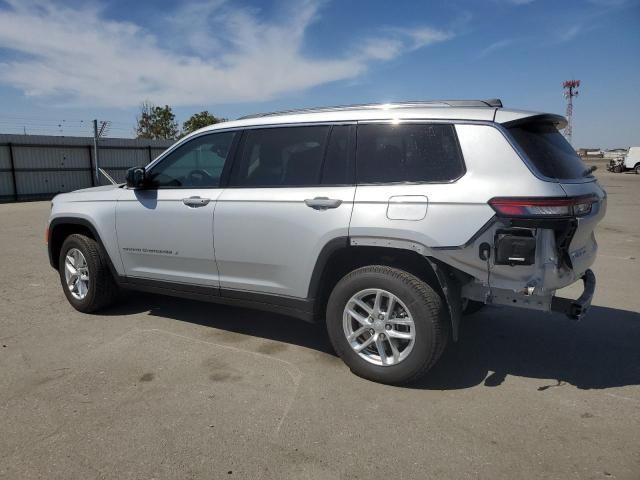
pixel 135 177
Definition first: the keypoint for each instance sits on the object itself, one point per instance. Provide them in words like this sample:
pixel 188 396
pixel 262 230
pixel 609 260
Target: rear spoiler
pixel 558 120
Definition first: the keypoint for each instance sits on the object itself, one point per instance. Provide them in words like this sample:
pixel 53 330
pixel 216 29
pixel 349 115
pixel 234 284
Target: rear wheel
pixel 386 324
pixel 637 169
pixel 84 274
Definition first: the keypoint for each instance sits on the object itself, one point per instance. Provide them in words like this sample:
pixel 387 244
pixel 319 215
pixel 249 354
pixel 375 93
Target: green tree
pixel 199 120
pixel 156 122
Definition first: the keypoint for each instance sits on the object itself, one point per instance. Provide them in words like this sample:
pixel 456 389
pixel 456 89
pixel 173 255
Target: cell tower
pixel 570 90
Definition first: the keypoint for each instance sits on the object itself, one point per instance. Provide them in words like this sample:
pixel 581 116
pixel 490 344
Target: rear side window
pixel 548 150
pixel 275 157
pixel 389 153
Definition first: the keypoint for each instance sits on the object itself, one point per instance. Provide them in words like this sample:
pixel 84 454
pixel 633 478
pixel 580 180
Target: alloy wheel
pixel 379 327
pixel 76 274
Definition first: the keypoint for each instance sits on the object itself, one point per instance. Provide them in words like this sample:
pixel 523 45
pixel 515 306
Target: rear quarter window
pixel 412 153
pixel 548 151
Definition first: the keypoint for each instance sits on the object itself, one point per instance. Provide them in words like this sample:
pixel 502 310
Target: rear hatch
pixel 551 158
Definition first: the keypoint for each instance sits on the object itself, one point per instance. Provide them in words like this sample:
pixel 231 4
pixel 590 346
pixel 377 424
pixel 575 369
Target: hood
pixel 101 193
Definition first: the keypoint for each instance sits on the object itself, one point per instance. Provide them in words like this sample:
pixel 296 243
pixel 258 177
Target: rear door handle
pixel 323 203
pixel 195 202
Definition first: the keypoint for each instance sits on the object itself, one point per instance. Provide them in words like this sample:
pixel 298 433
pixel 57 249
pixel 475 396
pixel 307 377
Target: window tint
pixel 337 168
pixel 548 150
pixel 287 156
pixel 197 163
pixel 408 153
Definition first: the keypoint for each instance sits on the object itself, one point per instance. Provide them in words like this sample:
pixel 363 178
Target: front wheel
pixel 386 324
pixel 84 274
pixel 637 169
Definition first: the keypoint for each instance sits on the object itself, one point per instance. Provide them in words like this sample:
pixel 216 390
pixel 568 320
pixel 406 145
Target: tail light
pixel 543 207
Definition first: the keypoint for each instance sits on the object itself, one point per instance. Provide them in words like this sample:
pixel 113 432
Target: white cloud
pixel 422 36
pixel 500 44
pixel 210 52
pixel 569 33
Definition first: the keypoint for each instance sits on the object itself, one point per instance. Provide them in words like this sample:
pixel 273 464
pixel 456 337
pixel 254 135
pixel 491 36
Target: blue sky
pixel 77 60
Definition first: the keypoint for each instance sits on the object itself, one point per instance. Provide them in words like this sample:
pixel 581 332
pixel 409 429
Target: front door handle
pixel 323 203
pixel 195 202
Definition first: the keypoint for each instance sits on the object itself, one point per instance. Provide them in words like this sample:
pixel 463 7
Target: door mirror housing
pixel 136 177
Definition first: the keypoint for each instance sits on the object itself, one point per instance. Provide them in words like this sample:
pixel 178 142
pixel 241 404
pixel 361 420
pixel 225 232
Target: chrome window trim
pixel 498 126
pixel 241 129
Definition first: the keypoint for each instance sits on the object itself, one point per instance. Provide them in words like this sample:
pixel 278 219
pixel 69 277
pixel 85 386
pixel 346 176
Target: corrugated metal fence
pixel 38 167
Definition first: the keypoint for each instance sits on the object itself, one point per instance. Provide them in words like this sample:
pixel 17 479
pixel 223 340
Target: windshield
pixel 549 151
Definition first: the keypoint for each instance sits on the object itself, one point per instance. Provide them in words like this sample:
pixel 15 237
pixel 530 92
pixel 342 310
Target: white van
pixel 632 159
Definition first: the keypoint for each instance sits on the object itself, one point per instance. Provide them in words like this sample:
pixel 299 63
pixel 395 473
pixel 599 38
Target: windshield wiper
pixel 589 171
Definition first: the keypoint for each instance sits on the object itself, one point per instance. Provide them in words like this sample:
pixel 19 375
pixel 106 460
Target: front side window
pixel 281 157
pixel 197 163
pixel 388 153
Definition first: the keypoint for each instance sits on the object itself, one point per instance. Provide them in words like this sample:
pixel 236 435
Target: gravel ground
pixel 168 388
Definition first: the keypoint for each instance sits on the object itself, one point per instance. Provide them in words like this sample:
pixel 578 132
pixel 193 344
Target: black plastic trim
pixel 558 120
pixel 59 221
pixel 327 251
pixel 303 306
pixel 294 307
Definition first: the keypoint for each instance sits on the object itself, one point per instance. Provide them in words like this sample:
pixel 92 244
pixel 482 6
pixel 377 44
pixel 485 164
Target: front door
pixel 165 230
pixel 291 192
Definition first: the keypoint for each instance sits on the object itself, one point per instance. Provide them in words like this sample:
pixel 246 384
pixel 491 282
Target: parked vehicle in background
pixel 629 161
pixel 384 222
pixel 632 159
pixel 616 165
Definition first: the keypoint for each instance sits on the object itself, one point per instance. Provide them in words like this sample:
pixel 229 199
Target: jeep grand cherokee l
pixel 386 222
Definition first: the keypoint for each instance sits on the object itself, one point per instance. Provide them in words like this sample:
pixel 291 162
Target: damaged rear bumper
pixel 577 309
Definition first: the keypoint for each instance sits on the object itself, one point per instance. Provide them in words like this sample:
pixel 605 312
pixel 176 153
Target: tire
pixel 426 316
pixel 637 169
pixel 100 289
pixel 472 307
pixel 617 169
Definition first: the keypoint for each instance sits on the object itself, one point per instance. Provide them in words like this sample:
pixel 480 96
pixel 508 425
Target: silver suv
pixel 387 222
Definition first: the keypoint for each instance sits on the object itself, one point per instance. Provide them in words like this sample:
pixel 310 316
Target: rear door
pixel 165 231
pixel 290 193
pixel 406 193
pixel 553 158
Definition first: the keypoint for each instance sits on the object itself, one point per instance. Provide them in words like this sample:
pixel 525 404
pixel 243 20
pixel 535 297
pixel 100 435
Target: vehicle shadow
pixel 244 321
pixel 601 351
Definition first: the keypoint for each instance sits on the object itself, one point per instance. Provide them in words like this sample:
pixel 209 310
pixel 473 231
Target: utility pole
pixel 95 151
pixel 570 90
pixel 104 128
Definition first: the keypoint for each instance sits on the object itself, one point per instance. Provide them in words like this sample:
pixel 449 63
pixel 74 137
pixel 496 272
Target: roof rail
pixel 492 102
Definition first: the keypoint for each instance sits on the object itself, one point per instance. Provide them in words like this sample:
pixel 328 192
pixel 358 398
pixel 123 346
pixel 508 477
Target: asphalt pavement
pixel 164 388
